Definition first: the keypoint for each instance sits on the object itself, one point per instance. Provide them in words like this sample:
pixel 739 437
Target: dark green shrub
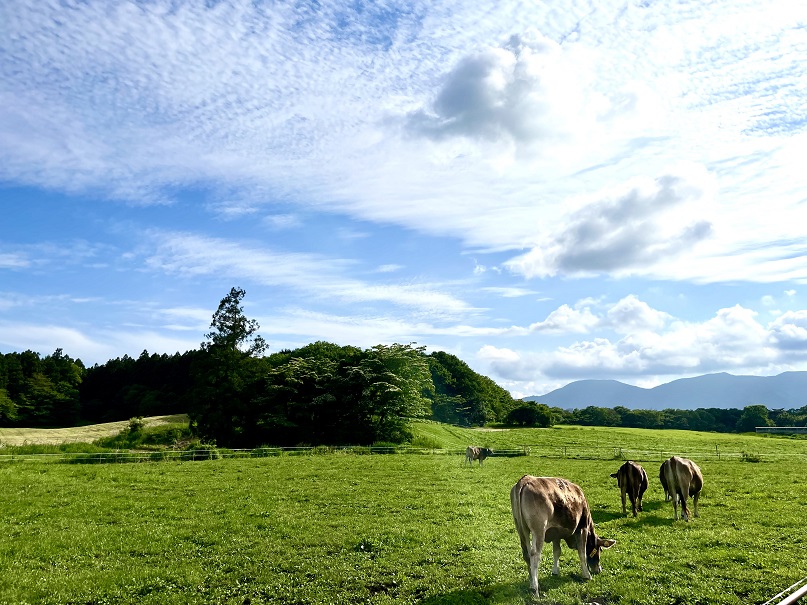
pixel 200 451
pixel 265 452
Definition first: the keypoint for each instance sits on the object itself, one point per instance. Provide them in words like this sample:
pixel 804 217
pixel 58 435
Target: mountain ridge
pixel 787 390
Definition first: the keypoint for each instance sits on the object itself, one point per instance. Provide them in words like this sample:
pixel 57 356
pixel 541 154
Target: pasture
pixel 420 529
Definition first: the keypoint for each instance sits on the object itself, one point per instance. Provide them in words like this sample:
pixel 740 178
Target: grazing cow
pixel 553 509
pixel 663 479
pixel 632 480
pixel 473 452
pixel 684 479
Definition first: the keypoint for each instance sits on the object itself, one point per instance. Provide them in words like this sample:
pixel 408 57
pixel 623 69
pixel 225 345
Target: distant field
pixel 602 442
pixel 80 434
pixel 411 529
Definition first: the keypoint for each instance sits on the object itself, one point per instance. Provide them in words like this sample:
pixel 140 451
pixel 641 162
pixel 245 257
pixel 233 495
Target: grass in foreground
pixel 408 529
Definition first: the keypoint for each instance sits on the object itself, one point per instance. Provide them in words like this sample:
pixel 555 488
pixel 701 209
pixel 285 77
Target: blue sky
pixel 551 191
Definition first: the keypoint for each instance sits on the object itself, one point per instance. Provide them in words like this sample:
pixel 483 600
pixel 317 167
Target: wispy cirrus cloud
pixel 196 255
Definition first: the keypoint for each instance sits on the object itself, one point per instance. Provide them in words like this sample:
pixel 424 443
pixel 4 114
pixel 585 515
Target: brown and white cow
pixel 684 479
pixel 473 452
pixel 663 479
pixel 551 509
pixel 632 480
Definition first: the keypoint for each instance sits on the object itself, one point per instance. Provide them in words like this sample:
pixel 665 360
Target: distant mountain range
pixel 787 390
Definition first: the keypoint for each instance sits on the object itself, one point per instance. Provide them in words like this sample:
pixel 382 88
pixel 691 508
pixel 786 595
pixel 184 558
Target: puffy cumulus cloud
pixel 631 315
pixel 565 320
pixel 524 92
pixel 654 345
pixel 789 332
pixel 509 364
pixel 627 316
pixel 650 222
pixel 493 93
pixel 534 101
pixel 733 339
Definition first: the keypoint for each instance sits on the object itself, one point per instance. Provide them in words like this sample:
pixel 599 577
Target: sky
pixel 552 191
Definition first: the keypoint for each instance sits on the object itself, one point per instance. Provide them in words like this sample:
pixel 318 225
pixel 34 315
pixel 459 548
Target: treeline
pixel 308 388
pixel 323 393
pixel 59 391
pixel 237 396
pixel 702 419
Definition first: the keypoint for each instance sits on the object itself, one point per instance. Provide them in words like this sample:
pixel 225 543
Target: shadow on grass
pixel 656 505
pixel 491 594
pixel 603 516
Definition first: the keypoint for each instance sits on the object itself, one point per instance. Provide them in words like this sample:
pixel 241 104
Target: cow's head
pixel 594 546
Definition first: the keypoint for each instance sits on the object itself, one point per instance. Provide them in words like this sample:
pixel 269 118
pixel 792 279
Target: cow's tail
pixel 518 518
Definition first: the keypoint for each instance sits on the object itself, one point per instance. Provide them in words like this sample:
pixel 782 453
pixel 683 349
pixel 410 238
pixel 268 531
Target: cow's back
pixel 684 479
pixel 632 476
pixel 683 472
pixel 549 502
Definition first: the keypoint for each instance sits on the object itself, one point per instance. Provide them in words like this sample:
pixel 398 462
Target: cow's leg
pixel 695 503
pixel 536 547
pixel 674 497
pixel 524 539
pixel 633 502
pixel 684 495
pixel 582 539
pixel 622 493
pixel 556 557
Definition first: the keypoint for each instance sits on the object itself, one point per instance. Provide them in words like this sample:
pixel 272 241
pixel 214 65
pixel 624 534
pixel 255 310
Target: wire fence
pixel 579 452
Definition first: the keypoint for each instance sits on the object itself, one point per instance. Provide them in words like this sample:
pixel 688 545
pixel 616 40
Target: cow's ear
pixel 613 475
pixel 605 543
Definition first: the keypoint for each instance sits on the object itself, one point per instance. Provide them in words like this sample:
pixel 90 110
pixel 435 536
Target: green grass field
pixel 400 528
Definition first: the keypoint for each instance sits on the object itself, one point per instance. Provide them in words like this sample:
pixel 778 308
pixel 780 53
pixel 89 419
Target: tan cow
pixel 663 479
pixel 684 479
pixel 553 509
pixel 632 480
pixel 473 452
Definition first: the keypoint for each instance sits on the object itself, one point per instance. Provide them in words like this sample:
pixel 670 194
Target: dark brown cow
pixel 632 480
pixel 684 479
pixel 473 452
pixel 553 509
pixel 663 479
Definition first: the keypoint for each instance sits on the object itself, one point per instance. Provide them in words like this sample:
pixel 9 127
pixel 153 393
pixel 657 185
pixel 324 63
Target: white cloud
pixel 633 315
pixel 87 344
pixel 509 292
pixel 194 255
pixel 628 232
pixel 13 261
pixel 565 320
pixel 789 332
pixel 390 268
pixel 658 347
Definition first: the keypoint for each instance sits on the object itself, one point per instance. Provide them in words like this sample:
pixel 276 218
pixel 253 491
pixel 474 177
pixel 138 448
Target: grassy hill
pixel 79 434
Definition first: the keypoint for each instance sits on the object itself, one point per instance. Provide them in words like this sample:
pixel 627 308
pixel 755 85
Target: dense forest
pixel 322 393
